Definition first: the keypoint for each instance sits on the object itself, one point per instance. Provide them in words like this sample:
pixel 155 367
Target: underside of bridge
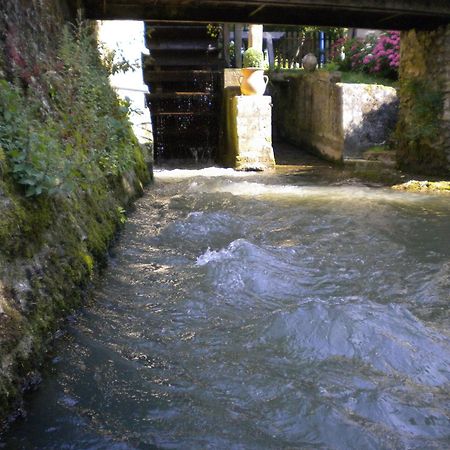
pixel 379 14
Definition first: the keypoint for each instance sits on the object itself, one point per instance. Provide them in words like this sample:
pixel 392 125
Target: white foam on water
pixel 221 180
pixel 208 256
pixel 330 192
pixel 219 255
pixel 210 172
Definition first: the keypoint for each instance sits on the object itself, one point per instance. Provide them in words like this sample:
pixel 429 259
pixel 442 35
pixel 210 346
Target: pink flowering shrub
pixel 385 57
pixel 375 55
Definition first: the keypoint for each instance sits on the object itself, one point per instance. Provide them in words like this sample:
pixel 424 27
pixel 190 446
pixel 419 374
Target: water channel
pixel 246 311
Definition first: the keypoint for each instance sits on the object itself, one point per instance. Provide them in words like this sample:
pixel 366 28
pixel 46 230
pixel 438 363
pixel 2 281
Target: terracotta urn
pixel 253 81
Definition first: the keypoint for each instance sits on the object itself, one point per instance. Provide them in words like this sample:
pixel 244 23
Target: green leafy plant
pixel 81 133
pixel 213 30
pixel 30 144
pixel 121 215
pixel 114 60
pixel 253 58
pixel 331 66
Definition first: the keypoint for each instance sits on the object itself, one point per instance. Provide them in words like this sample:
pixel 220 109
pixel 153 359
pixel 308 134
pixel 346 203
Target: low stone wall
pixel 423 132
pixel 332 119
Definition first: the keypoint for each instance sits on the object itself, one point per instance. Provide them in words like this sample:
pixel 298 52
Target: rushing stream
pixel 243 311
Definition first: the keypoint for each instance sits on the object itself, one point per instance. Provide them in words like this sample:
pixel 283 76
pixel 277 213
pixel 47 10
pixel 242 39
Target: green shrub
pixel 253 58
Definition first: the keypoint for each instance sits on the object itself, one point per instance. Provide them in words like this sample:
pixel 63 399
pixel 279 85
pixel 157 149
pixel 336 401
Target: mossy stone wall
pixel 51 246
pixel 423 130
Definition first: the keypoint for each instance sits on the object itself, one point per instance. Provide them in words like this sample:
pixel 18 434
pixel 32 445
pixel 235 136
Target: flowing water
pixel 243 311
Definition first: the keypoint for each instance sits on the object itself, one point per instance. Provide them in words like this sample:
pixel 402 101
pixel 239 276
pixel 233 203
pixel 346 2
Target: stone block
pixel 250 133
pixel 231 78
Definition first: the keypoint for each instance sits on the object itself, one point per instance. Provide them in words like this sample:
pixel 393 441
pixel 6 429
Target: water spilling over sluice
pixel 183 74
pixel 250 313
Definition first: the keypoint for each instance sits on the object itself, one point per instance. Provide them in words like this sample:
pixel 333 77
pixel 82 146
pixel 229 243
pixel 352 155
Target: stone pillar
pixel 255 36
pixel 226 44
pixel 250 132
pixel 423 131
pixel 246 127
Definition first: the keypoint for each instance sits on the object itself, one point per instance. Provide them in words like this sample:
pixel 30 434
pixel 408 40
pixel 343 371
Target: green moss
pixel 417 131
pixel 11 328
pixel 140 166
pixel 2 159
pixel 23 222
pixel 380 153
pixel 72 247
pixel 88 261
pixel 375 172
pixel 377 149
pixel 421 157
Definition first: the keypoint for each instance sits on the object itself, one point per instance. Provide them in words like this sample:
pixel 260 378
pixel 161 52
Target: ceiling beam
pixel 383 14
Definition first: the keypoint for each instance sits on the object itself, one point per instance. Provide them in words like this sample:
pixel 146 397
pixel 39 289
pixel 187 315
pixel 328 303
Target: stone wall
pixel 423 133
pixel 51 244
pixel 250 132
pixel 335 120
pixel 369 116
pixel 307 112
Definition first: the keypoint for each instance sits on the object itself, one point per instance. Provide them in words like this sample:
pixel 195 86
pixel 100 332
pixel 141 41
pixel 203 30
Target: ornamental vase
pixel 253 81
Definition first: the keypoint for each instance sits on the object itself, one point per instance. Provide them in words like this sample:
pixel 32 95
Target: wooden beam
pixel 226 44
pixel 395 14
pixel 238 44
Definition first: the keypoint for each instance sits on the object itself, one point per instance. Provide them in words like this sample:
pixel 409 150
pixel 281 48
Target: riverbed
pixel 250 311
